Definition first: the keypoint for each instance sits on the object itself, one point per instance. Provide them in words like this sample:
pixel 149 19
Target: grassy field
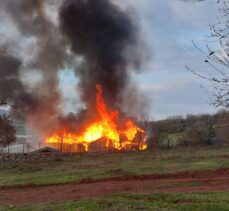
pixel 111 165
pixel 119 164
pixel 124 202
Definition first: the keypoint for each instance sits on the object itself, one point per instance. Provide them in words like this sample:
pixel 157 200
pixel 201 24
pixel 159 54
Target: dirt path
pixel 202 181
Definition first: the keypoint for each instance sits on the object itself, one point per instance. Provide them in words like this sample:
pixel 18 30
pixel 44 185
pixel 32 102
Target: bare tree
pixel 217 58
pixel 7 132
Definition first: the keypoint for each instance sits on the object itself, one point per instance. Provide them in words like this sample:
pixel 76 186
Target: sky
pixel 168 29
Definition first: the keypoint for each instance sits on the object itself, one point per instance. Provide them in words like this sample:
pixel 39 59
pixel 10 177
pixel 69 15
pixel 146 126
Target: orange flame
pixel 106 129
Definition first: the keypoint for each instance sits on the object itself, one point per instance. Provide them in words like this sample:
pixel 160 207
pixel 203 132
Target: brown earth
pixel 201 181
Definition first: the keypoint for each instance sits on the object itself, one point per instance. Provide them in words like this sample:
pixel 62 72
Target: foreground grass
pixel 159 202
pixel 110 165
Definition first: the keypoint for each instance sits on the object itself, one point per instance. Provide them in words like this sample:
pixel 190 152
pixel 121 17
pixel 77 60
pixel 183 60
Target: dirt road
pixel 202 181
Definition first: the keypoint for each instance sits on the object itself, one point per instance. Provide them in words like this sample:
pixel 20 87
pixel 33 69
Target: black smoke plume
pixel 102 34
pixel 103 38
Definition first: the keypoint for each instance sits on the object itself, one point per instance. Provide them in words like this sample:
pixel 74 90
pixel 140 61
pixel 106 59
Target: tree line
pixel 193 130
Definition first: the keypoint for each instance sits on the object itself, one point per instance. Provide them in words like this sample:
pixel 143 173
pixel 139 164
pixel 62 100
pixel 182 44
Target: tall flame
pixel 106 129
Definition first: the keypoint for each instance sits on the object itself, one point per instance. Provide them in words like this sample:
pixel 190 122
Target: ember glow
pixel 106 131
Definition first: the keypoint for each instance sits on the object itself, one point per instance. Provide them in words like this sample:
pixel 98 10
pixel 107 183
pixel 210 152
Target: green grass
pixel 157 202
pixel 111 165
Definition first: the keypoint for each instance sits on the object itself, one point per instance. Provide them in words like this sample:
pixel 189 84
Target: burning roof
pixel 106 129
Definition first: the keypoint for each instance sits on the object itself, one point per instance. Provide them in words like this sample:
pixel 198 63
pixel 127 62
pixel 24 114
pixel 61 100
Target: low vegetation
pixel 192 130
pixel 93 166
pixel 130 202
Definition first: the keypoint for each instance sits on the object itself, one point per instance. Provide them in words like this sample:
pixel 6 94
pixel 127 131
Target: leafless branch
pixel 217 58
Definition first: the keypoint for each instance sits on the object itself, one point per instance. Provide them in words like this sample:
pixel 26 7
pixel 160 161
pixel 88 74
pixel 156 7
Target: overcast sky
pixel 169 27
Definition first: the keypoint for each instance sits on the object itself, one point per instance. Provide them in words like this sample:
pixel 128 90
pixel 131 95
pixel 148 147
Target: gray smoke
pixel 105 37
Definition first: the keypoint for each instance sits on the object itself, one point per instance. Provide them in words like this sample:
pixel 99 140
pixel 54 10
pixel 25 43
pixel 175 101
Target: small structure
pixel 46 150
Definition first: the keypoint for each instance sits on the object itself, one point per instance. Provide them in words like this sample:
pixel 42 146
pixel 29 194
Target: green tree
pixel 7 131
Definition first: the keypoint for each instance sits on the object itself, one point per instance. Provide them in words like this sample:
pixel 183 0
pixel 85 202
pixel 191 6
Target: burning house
pixel 101 43
pixel 105 133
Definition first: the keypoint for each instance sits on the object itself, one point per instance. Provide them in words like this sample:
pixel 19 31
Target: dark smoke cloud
pixel 48 50
pixel 27 15
pixel 101 33
pixel 104 36
pixel 22 100
pixel 38 105
pixel 11 88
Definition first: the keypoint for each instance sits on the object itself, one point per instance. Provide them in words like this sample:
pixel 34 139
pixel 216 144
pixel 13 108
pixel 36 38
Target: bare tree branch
pixel 217 58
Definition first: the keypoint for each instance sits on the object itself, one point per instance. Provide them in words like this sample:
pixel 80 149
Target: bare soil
pixel 201 181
